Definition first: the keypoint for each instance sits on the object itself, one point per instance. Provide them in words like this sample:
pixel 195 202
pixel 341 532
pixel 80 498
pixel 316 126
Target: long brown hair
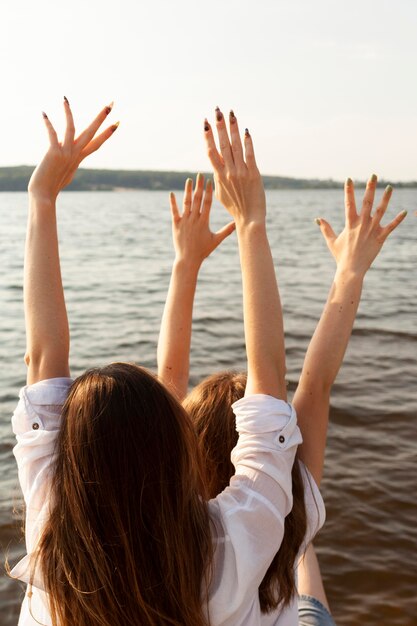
pixel 209 406
pixel 128 538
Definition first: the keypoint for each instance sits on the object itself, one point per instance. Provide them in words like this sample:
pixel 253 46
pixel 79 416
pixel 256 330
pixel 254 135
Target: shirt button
pixel 281 438
pixel 35 426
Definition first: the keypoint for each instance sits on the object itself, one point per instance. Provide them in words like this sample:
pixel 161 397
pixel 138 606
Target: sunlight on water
pixel 116 255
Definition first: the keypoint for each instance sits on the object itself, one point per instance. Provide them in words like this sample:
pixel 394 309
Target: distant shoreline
pixel 17 178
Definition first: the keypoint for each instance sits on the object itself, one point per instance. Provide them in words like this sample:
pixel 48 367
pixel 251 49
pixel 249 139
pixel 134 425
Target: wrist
pixel 348 272
pixel 246 226
pixel 186 267
pixel 42 200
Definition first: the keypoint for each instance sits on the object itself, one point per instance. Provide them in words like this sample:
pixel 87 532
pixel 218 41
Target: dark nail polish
pixel 45 117
pixel 246 132
pixel 206 125
pixel 115 126
pixel 109 108
pixel 219 115
pixel 349 182
pixel 232 117
pixel 66 100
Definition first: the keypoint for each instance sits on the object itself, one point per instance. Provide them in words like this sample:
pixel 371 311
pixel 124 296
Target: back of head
pixel 209 406
pixel 128 538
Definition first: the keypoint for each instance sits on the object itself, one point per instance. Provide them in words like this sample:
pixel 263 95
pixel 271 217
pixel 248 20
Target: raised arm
pixel 47 333
pixel 193 242
pixel 354 251
pixel 239 188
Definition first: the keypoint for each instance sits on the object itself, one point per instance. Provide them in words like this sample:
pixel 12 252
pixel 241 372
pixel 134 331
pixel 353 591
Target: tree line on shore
pixel 17 178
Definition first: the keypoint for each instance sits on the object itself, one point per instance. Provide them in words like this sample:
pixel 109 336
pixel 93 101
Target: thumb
pixel 224 232
pixel 326 230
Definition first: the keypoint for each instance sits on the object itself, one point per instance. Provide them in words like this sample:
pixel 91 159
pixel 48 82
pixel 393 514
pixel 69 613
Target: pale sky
pixel 328 88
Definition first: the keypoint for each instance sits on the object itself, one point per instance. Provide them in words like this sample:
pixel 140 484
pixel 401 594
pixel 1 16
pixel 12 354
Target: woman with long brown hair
pixel 209 403
pixel 118 530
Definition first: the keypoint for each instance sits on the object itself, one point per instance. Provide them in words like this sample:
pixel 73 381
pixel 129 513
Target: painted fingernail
pixel 318 221
pixel 404 213
pixel 206 125
pixel 109 108
pixel 115 127
pixel 45 117
pixel 232 117
pixel 189 181
pixel 349 181
pixel 66 100
pixel 388 189
pixel 246 132
pixel 374 178
pixel 219 114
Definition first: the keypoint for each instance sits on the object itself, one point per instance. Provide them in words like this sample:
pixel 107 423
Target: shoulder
pixel 248 516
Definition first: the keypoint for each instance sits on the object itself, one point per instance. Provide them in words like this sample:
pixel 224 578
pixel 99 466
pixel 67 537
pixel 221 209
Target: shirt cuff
pixel 39 402
pixel 259 413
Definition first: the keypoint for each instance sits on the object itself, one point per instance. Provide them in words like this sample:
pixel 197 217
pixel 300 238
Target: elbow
pixel 42 364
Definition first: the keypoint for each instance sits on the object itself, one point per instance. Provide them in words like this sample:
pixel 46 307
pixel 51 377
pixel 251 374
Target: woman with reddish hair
pixel 210 403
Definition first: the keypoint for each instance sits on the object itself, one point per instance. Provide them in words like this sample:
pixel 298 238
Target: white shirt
pixel 316 515
pixel 248 517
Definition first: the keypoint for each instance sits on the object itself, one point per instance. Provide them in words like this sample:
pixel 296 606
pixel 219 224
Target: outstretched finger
pixel 188 193
pixel 327 231
pixel 70 128
pixel 208 198
pixel 87 135
pixel 383 205
pixel 99 140
pixel 53 137
pixel 368 199
pixel 224 142
pixel 237 149
pixel 198 195
pixel 350 204
pixel 249 151
pixel 224 232
pixel 174 207
pixel 393 225
pixel 215 158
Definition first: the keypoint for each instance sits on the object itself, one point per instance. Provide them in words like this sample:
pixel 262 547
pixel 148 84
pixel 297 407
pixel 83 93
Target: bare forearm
pixel 331 337
pixel 321 365
pixel 47 331
pixel 264 333
pixel 175 336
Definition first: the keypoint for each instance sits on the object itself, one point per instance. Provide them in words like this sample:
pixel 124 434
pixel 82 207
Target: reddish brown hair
pixel 209 406
pixel 128 539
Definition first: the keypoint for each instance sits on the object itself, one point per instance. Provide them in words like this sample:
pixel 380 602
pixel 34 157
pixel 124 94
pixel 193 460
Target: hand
pixel 363 236
pixel 238 183
pixel 58 166
pixel 193 239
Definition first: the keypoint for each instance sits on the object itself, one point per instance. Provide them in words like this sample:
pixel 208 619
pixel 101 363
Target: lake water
pixel 116 255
